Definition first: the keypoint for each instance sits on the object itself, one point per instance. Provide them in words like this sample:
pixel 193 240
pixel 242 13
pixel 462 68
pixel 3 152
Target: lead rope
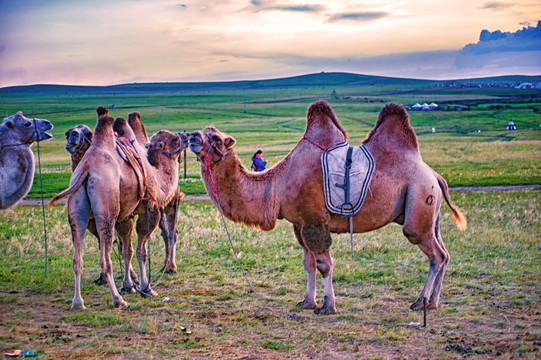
pixel 263 302
pixel 43 214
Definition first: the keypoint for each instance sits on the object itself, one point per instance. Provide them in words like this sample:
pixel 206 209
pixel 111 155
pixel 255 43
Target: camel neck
pixel 244 197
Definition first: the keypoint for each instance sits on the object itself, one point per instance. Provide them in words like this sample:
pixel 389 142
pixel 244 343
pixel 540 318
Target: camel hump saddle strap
pixel 127 151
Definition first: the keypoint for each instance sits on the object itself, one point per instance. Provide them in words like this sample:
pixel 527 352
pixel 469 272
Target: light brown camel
pixel 109 187
pixel 403 190
pixel 17 134
pixel 169 214
pixel 78 140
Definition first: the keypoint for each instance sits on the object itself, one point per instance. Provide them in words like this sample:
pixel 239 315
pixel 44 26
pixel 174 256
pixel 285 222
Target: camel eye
pixel 28 124
pixel 215 138
pixel 160 145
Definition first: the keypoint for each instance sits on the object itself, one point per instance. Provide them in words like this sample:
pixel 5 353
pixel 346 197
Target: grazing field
pixel 490 302
pixel 491 298
pixel 469 147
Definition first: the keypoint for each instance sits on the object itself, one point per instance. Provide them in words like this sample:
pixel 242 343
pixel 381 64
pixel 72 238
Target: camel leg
pixel 78 214
pixel 168 226
pixel 309 263
pixel 436 290
pixel 324 265
pixel 105 225
pixel 124 230
pixel 146 223
pixel 94 231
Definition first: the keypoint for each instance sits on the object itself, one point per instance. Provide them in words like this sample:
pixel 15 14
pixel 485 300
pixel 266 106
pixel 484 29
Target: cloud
pixel 358 16
pixel 527 39
pixel 270 5
pixel 494 5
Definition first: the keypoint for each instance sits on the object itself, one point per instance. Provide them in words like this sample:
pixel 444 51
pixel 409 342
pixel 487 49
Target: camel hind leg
pixel 421 228
pixel 309 263
pixel 78 216
pixel 436 290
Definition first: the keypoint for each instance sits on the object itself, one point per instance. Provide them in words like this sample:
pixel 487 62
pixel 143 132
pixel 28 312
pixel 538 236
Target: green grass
pixel 469 148
pixel 489 302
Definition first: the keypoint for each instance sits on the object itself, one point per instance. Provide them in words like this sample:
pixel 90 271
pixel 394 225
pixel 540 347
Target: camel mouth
pixel 42 134
pixel 195 142
pixel 196 148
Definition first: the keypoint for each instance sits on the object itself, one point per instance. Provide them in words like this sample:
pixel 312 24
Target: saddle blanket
pixel 344 195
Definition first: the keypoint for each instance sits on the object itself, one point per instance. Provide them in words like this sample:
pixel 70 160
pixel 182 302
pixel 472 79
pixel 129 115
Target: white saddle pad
pixel 333 164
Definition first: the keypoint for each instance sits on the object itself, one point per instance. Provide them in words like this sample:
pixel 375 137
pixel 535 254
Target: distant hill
pixel 308 80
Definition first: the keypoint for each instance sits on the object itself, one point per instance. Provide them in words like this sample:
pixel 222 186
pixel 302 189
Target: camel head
pixel 211 142
pixel 167 143
pixel 78 139
pixel 25 131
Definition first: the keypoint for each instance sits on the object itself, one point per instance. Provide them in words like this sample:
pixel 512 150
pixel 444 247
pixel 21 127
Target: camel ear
pixel 10 125
pixel 147 145
pixel 229 142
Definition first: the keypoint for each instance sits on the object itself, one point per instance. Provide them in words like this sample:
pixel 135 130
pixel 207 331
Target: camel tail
pixel 459 217
pixel 69 191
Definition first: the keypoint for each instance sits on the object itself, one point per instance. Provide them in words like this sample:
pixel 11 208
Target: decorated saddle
pixel 128 152
pixel 347 172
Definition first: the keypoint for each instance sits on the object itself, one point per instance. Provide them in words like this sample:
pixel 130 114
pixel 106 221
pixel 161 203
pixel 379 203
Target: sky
pixel 104 42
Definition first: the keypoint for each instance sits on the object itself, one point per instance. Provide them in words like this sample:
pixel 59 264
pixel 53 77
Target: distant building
pixel 511 125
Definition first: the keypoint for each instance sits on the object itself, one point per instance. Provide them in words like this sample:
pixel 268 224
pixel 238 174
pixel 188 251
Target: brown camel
pixel 103 183
pixel 78 141
pixel 17 134
pixel 403 190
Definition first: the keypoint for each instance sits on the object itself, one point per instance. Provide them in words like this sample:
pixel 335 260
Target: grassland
pixel 469 147
pixel 491 298
pixel 490 302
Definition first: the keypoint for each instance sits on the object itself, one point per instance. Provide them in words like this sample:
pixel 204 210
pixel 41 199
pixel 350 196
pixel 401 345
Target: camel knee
pixel 324 267
pixel 309 264
pixel 316 237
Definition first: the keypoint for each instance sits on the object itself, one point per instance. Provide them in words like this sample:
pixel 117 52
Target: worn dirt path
pixel 458 188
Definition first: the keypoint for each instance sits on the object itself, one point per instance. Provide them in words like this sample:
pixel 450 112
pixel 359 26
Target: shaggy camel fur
pixel 109 187
pixel 403 190
pixel 17 133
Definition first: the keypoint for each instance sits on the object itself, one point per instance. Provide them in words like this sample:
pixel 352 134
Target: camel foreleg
pixel 147 222
pixel 325 265
pixel 168 226
pixel 124 230
pixel 436 290
pixel 309 263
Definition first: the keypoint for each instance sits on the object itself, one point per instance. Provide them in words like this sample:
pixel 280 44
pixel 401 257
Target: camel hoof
pixel 101 280
pixel 171 270
pixel 418 305
pixel 120 304
pixel 306 305
pixel 325 310
pixel 75 307
pixel 127 290
pixel 148 292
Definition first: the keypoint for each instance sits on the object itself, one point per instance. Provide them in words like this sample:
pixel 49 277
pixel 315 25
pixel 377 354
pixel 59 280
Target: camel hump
pixel 134 120
pixel 103 133
pixel 321 107
pixel 393 124
pixel 101 110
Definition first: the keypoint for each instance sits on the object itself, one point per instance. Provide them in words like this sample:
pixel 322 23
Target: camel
pixel 403 190
pixel 104 184
pixel 78 140
pixel 17 134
